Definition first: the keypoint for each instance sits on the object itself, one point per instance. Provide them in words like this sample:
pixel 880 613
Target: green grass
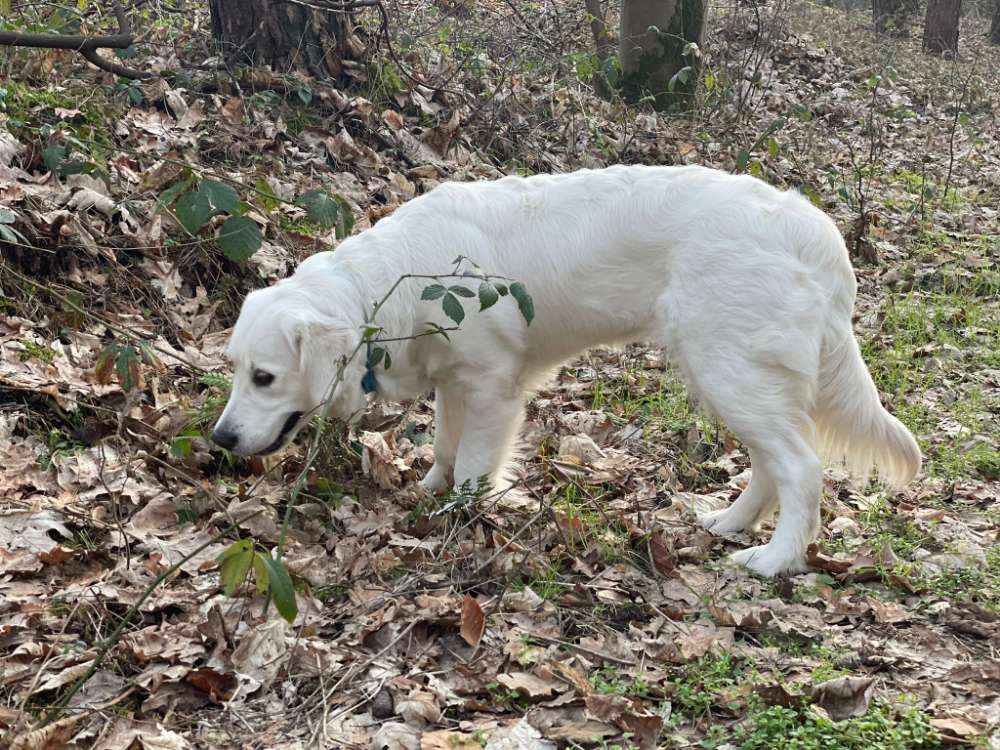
pixel 883 727
pixel 978 583
pixel 930 342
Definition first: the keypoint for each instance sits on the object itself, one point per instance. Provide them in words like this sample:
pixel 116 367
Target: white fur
pixel 748 288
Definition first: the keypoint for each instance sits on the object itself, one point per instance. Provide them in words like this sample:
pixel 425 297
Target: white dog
pixel 748 288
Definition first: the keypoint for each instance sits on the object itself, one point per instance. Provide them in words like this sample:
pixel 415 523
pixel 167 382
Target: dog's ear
pixel 321 345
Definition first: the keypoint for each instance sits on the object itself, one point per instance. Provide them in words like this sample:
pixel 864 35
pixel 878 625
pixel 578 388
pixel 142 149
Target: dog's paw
pixel 768 561
pixel 436 481
pixel 724 521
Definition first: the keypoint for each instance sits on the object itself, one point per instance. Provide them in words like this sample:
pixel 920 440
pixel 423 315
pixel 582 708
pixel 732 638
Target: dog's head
pixel 285 355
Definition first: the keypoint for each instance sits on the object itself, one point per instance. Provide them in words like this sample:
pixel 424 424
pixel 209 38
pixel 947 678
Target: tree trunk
pixel 892 16
pixel 995 26
pixel 661 61
pixel 941 26
pixel 284 35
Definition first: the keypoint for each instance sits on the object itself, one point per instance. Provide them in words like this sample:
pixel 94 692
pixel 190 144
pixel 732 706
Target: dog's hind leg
pixel 767 407
pixel 754 505
pixel 449 417
pixel 493 414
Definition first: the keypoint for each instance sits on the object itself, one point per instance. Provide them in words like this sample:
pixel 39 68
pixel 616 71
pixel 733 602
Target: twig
pixel 87 46
pixel 57 710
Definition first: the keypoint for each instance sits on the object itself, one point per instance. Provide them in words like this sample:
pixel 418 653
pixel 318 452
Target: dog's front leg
pixel 492 419
pixel 448 419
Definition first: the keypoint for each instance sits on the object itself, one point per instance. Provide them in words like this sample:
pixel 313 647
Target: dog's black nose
pixel 225 439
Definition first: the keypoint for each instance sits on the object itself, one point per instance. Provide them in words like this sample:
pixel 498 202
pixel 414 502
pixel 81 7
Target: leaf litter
pixel 590 607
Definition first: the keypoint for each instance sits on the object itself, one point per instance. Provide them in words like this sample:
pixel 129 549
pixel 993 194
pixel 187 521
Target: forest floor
pixel 588 609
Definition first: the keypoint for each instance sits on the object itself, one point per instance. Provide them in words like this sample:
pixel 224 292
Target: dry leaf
pixel 473 622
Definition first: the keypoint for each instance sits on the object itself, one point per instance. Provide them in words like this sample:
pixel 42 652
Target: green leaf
pixel 388 360
pixel 221 198
pixel 461 291
pixel 488 296
pixel 773 148
pixel 375 357
pixel 7 215
pixel 53 156
pixel 345 222
pixel 265 195
pixel 239 238
pixel 453 308
pixel 9 234
pixel 440 330
pixel 320 208
pixel 524 302
pixel 127 367
pixel 304 92
pixel 168 196
pixel 193 212
pixel 260 574
pixel 235 565
pixel 501 288
pixel 741 160
pixel 281 588
pixel 434 291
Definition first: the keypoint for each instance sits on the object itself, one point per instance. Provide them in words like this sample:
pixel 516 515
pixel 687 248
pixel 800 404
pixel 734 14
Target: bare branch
pixel 85 45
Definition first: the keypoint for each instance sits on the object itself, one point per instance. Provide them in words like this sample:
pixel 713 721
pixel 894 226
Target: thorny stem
pixel 57 710
pixel 326 405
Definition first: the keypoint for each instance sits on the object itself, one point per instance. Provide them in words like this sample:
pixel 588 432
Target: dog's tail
pixel 852 424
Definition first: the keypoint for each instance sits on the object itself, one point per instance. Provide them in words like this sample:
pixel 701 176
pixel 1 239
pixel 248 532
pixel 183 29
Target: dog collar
pixel 368 384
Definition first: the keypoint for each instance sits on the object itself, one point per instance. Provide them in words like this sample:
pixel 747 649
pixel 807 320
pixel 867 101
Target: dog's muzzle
pixel 288 426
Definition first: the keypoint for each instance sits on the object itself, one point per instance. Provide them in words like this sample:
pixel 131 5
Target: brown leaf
pixel 473 622
pixel 660 551
pixel 218 685
pixel 446 739
pixel 52 737
pixel 528 684
pixel 844 697
pixel 954 726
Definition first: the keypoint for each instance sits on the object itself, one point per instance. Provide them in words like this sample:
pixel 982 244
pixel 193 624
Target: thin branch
pixel 87 46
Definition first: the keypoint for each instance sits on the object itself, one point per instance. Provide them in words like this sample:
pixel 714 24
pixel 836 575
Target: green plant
pixel 883 727
pixel 270 575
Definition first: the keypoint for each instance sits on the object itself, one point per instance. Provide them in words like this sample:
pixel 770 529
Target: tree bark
pixel 941 26
pixel 655 50
pixel 995 26
pixel 283 34
pixel 892 16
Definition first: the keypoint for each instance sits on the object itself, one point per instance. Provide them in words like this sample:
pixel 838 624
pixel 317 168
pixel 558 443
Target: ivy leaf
pixel 488 296
pixel 239 238
pixel 453 308
pixel 524 302
pixel 280 586
pixel 741 160
pixel 434 291
pixel 235 565
pixel 461 291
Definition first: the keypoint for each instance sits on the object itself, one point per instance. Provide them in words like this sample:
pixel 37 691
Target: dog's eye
pixel 262 379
